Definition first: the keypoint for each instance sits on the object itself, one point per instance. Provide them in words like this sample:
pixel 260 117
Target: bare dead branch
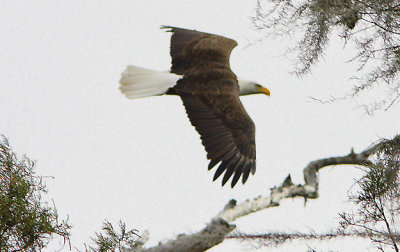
pixel 218 229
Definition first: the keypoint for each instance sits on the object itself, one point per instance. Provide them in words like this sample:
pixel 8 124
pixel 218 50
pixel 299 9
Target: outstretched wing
pixel 227 133
pixel 188 43
pixel 210 94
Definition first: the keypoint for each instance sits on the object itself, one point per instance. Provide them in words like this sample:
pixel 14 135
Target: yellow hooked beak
pixel 263 90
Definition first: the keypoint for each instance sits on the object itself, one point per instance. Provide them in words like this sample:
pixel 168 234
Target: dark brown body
pixel 210 93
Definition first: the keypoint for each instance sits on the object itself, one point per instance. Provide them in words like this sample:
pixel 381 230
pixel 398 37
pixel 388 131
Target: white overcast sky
pixel 140 160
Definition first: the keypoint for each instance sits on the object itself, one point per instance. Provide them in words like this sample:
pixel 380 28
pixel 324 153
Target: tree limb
pixel 219 227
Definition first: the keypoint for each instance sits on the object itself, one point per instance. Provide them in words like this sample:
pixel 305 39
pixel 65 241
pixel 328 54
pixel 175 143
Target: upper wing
pixel 188 45
pixel 226 131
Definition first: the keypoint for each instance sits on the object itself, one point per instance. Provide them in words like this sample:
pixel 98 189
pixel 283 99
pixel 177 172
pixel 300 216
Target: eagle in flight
pixel 202 77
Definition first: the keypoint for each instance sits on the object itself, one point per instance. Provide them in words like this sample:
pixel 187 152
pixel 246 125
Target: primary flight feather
pixel 202 77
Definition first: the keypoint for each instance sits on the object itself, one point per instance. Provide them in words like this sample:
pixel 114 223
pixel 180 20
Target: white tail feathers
pixel 139 82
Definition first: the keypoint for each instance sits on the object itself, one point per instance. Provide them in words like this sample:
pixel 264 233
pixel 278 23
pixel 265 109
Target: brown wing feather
pixel 230 140
pixel 188 45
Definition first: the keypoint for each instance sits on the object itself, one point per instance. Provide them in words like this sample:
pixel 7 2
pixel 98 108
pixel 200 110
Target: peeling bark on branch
pixel 214 233
pixel 219 227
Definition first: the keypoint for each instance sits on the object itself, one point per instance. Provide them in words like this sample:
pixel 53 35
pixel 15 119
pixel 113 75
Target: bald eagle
pixel 202 77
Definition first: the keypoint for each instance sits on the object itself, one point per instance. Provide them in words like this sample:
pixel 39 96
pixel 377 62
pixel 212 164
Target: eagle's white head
pixel 249 87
